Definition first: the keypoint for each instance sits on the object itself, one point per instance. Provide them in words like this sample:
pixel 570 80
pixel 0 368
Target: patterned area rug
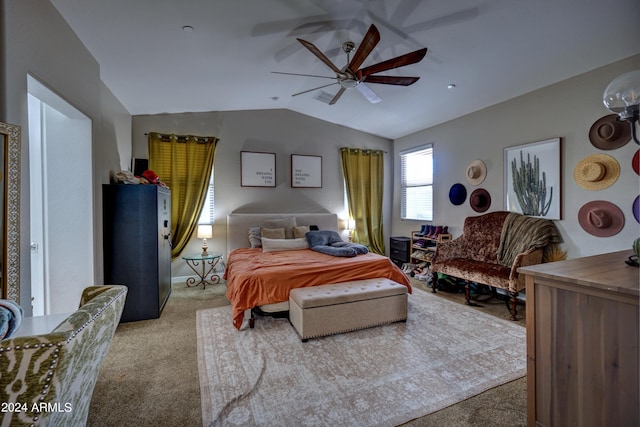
pixel 382 376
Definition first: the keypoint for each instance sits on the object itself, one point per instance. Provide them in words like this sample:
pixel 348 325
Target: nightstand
pixel 208 264
pixel 399 250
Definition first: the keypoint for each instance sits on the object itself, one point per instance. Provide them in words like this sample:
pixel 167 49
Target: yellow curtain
pixel 364 178
pixel 184 163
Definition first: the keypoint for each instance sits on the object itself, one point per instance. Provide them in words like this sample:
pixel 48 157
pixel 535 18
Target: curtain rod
pixel 167 137
pixel 366 150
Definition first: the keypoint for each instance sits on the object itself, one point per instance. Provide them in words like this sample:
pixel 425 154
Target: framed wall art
pixel 532 179
pixel 306 171
pixel 257 169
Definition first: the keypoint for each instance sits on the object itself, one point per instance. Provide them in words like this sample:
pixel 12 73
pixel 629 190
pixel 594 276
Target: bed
pixel 257 279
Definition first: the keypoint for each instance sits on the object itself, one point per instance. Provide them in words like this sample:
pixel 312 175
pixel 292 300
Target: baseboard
pixel 179 280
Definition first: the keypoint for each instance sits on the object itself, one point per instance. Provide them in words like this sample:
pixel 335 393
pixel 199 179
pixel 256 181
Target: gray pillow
pixel 255 240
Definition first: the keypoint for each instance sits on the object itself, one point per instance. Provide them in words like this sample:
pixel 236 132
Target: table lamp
pixel 205 231
pixel 351 225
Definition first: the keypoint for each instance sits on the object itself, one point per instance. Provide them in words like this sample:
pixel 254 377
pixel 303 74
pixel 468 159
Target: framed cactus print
pixel 533 180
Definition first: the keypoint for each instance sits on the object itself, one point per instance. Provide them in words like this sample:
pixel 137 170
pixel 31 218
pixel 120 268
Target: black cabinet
pixel 137 246
pixel 399 250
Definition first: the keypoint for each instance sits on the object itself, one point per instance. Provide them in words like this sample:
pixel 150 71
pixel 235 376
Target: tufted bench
pixel 342 307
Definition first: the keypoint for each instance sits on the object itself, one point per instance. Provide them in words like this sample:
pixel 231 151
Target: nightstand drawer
pixel 400 255
pixel 399 250
pixel 400 243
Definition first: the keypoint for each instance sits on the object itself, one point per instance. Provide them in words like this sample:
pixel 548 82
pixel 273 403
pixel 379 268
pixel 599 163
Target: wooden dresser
pixel 582 342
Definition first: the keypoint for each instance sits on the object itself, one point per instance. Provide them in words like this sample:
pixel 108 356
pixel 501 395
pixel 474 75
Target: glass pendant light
pixel 622 97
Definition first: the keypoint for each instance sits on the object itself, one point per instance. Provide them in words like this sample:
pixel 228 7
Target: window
pixel 416 182
pixel 207 213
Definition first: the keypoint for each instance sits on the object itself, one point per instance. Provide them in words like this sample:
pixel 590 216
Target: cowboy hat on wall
pixel 596 172
pixel 609 133
pixel 476 172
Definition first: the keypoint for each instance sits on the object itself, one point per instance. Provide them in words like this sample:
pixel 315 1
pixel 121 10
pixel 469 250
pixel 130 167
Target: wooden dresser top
pixel 605 272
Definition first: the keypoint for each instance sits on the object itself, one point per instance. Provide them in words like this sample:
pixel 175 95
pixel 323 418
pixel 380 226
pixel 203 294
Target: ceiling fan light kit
pixel 351 76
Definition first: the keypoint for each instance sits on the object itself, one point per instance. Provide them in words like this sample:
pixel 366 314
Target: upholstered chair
pixel 49 379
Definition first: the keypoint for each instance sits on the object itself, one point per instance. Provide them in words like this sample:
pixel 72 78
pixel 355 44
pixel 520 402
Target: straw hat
pixel 476 172
pixel 480 200
pixel 596 172
pixel 601 218
pixel 457 194
pixel 609 133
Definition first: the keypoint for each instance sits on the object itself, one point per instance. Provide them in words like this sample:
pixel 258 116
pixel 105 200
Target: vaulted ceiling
pixel 491 50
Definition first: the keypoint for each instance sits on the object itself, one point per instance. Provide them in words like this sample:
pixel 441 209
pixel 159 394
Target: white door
pixel 61 200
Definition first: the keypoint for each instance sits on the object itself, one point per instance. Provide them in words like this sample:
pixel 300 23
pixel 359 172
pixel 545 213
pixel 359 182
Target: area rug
pixel 382 376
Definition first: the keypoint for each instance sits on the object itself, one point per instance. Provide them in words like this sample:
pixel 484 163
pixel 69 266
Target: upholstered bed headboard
pixel 239 223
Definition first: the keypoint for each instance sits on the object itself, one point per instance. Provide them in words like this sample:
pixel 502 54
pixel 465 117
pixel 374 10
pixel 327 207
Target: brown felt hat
pixel 601 218
pixel 609 133
pixel 596 172
pixel 480 200
pixel 476 172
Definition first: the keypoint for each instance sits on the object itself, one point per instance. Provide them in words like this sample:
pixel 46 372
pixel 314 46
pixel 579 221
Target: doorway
pixel 61 201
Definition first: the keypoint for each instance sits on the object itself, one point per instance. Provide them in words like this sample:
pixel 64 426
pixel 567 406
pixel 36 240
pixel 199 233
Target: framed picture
pixel 306 171
pixel 532 179
pixel 257 169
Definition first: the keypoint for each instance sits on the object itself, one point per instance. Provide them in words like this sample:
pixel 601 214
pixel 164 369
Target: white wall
pixel 277 131
pixel 39 42
pixel 566 110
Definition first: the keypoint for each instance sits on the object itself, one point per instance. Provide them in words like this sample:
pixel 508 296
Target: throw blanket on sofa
pixel 521 233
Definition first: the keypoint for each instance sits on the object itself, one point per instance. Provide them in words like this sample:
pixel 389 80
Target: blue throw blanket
pixel 330 243
pixel 11 315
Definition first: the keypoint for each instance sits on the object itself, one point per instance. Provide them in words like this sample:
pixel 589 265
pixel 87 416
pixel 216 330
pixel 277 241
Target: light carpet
pixel 382 376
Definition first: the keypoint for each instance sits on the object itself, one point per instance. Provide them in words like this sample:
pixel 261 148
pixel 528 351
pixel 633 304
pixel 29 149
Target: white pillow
pixel 276 245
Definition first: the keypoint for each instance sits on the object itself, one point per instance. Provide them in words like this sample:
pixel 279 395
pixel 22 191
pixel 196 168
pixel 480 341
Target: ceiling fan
pixel 352 76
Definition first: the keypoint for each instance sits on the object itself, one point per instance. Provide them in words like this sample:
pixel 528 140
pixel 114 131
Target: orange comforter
pixel 257 278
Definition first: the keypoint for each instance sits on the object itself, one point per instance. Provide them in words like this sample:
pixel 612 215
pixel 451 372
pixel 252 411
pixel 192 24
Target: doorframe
pixel 56 295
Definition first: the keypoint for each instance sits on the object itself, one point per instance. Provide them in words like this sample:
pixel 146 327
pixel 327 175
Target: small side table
pixel 207 264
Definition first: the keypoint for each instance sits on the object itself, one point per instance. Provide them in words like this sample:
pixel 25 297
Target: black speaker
pixel 138 166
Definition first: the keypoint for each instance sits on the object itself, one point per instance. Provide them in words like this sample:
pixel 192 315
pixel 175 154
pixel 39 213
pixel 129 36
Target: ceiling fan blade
pixel 304 75
pixel 320 55
pixel 328 25
pixel 369 94
pixel 399 61
pixel 315 88
pixel 452 18
pixel 338 95
pixel 404 10
pixel 369 41
pixel 391 80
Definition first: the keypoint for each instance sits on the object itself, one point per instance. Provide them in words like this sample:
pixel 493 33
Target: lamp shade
pixel 351 224
pixel 205 231
pixel 622 95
